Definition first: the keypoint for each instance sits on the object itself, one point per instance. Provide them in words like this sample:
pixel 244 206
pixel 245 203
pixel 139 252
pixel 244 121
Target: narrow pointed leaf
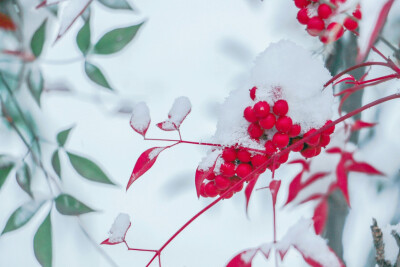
pixel 24 178
pixel 5 169
pixel 320 216
pixel 68 205
pixel 249 190
pixel 305 164
pixel 274 186
pixel 359 124
pixel 22 216
pixel 83 38
pixel 55 162
pixel 42 243
pixel 315 177
pixel 294 188
pixel 341 176
pixel 38 39
pixel 116 4
pixel 145 161
pixel 201 175
pixel 364 168
pixel 35 83
pixel 243 259
pixel 115 40
pixel 179 111
pixel 88 169
pixel 96 75
pixel 62 136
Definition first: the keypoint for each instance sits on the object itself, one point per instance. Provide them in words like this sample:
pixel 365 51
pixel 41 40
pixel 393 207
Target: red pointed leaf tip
pixel 107 242
pixel 243 259
pixel 179 111
pixel 320 216
pixel 294 188
pixel 364 168
pixel 249 190
pixel 274 186
pixel 140 119
pixel 359 124
pixel 6 23
pixel 144 163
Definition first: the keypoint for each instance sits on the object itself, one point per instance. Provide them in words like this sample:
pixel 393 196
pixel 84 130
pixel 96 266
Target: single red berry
pixel 249 114
pixel 313 141
pixel 239 188
pixel 283 158
pixel 284 124
pixel 244 155
pixel 315 25
pixel 295 131
pixel 301 3
pixel 309 152
pixel 229 154
pixel 270 147
pixel 324 11
pixel 280 140
pixel 253 93
pixel 228 169
pixel 258 160
pixel 325 140
pixel 317 151
pixel 333 32
pixel 211 176
pixel 210 189
pixel 228 196
pixel 298 148
pixel 350 24
pixel 330 130
pixel 274 166
pixel 302 16
pixel 243 170
pixel 261 109
pixel 281 107
pixel 202 190
pixel 268 122
pixel 255 131
pixel 357 13
pixel 222 182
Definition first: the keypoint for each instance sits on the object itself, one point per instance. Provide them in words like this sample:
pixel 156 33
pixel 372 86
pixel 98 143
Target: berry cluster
pixel 319 18
pixel 271 127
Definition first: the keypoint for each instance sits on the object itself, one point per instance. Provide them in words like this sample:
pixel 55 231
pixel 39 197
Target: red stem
pixel 139 249
pixel 385 78
pixel 274 217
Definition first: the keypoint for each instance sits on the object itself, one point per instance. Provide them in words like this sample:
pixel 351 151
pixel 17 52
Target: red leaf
pixel 178 113
pixel 359 124
pixel 249 190
pixel 140 119
pixel 274 186
pixel 107 242
pixel 306 164
pixel 341 175
pixel 6 23
pixel 364 168
pixel 294 188
pixel 167 126
pixel 266 249
pixel 348 78
pixel 334 150
pixel 144 163
pixel 314 178
pixel 201 176
pixel 320 216
pixel 243 259
pixel 20 54
pixel 312 197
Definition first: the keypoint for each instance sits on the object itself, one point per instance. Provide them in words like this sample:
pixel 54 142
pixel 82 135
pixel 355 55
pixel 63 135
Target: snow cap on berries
pixel 287 71
pixel 119 228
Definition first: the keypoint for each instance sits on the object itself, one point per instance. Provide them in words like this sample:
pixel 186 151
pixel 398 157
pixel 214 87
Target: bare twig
pixel 379 245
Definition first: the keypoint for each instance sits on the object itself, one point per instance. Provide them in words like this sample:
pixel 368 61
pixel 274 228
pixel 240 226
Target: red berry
pixel 300 147
pixel 283 158
pixel 270 147
pixel 317 151
pixel 301 3
pixel 255 131
pixel 309 152
pixel 229 154
pixel 280 140
pixel 211 176
pixel 313 141
pixel 210 189
pixel 284 124
pixel 268 122
pixel 229 195
pixel 228 169
pixel 330 130
pixel 281 107
pixel 324 11
pixel 244 155
pixel 222 182
pixel 325 140
pixel 253 93
pixel 239 188
pixel 357 13
pixel 350 24
pixel 315 25
pixel 261 109
pixel 302 16
pixel 258 160
pixel 249 114
pixel 295 131
pixel 202 190
pixel 333 32
pixel 243 170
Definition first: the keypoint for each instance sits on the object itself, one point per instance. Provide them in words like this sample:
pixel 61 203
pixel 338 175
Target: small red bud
pixel 301 3
pixel 325 140
pixel 268 122
pixel 227 169
pixel 330 130
pixel 350 24
pixel 229 154
pixel 249 114
pixel 258 160
pixel 244 155
pixel 315 25
pixel 261 109
pixel 298 148
pixel 302 16
pixel 324 11
pixel 255 131
pixel 270 147
pixel 281 107
pixel 222 182
pixel 253 93
pixel 243 170
pixel 283 158
pixel 280 140
pixel 295 131
pixel 210 189
pixel 309 152
pixel 284 124
pixel 313 141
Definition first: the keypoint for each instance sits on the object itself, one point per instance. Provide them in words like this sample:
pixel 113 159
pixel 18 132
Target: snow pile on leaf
pixel 283 71
pixel 119 228
pixel 391 246
pixel 140 119
pixel 180 109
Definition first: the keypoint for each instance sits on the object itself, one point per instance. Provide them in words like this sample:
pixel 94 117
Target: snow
pixel 180 109
pixel 391 247
pixel 119 228
pixel 209 160
pixel 154 153
pixel 140 118
pixel 248 255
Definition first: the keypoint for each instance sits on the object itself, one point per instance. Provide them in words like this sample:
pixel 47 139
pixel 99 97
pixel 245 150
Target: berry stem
pixel 385 78
pixel 139 249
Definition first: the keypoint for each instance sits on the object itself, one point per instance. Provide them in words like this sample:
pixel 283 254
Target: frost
pixel 155 152
pixel 209 160
pixel 248 255
pixel 119 228
pixel 391 247
pixel 180 109
pixel 140 119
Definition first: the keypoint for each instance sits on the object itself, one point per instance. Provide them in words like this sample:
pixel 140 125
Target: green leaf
pixel 83 37
pixel 116 40
pixel 35 84
pixel 42 243
pixel 62 136
pixel 24 178
pixel 95 74
pixel 38 38
pixel 5 169
pixel 55 162
pixel 116 4
pixel 22 216
pixel 88 169
pixel 68 205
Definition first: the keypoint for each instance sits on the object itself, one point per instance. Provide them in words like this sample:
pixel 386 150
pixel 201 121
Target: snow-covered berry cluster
pixel 326 18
